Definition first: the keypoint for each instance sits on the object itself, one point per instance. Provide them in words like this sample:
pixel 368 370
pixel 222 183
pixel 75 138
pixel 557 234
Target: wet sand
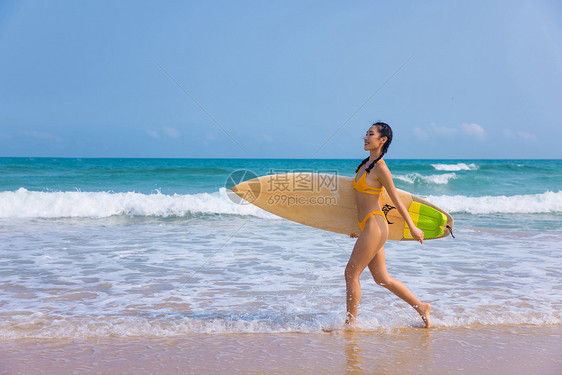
pixel 475 350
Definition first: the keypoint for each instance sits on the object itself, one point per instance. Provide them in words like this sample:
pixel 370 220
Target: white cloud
pixel 519 135
pixel 474 130
pixel 166 132
pixel 171 132
pixel 443 130
pixel 526 136
pixel 432 130
pixel 153 133
pixel 508 133
pixel 41 135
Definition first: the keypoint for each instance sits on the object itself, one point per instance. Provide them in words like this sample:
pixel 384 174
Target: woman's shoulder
pixel 381 167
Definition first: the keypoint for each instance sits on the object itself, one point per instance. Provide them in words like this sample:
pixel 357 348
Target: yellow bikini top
pixel 361 185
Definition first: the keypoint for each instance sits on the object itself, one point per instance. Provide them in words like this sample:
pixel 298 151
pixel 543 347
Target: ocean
pixel 98 248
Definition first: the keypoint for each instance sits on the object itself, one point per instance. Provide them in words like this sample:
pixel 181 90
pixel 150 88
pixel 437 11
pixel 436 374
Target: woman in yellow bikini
pixel 374 176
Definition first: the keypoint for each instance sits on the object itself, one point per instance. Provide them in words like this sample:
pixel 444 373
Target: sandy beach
pixel 476 350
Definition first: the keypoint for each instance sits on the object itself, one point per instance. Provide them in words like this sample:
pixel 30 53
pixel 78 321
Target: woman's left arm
pixel 384 176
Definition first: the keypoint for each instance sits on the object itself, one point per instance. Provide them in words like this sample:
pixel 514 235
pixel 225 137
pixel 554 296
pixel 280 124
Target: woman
pixel 368 251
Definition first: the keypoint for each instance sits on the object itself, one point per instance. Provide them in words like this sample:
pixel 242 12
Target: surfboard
pixel 327 201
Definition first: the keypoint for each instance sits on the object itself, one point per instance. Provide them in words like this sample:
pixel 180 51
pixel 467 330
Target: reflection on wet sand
pixel 482 350
pixel 381 352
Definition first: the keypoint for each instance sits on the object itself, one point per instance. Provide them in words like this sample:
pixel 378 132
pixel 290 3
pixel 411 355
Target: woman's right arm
pixel 384 176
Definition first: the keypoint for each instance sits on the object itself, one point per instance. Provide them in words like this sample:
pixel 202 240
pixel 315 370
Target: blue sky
pixel 280 79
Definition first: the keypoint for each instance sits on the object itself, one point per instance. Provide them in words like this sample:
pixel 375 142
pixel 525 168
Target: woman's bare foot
pixel 423 309
pixel 350 323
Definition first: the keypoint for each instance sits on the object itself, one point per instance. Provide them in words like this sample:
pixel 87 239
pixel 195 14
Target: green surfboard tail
pixel 431 221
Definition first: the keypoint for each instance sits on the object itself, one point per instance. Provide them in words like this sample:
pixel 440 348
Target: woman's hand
pixel 417 234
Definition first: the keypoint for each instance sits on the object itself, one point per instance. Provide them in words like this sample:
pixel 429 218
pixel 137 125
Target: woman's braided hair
pixel 384 131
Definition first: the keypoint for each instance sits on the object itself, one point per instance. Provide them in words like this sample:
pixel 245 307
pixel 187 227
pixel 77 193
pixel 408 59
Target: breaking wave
pixel 23 203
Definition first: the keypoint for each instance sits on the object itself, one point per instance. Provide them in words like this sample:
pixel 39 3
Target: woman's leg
pixel 369 242
pixel 377 266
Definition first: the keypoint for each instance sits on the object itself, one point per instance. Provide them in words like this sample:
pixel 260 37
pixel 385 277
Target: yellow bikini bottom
pixel 362 223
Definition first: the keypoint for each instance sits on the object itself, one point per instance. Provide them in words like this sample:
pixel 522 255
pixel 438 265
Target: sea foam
pixel 92 326
pixel 548 202
pixel 23 203
pixel 455 167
